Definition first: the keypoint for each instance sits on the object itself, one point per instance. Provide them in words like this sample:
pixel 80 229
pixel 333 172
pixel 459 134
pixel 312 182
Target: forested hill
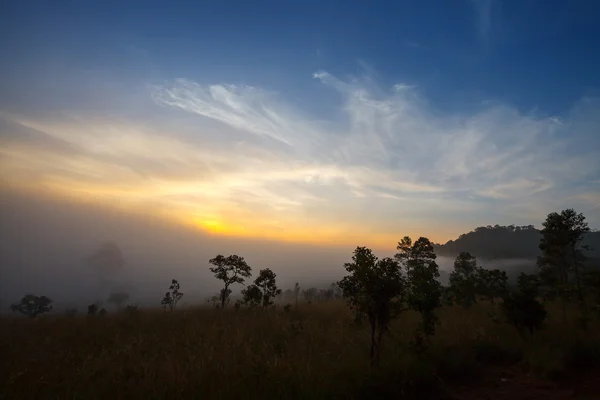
pixel 505 242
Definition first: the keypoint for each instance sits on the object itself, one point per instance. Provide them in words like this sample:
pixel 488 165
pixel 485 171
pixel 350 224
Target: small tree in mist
pixel 172 297
pixel 463 280
pixel 562 256
pixel 92 310
pixel 309 294
pixel 262 291
pixel 231 269
pixel 266 282
pixel 251 296
pixel 118 299
pixel 424 290
pixel 374 288
pixel 32 306
pixel 521 307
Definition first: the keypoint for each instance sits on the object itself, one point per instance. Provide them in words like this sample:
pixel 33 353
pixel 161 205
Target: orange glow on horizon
pixel 259 228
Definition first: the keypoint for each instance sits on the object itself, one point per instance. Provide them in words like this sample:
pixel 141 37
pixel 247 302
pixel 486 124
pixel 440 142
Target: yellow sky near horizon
pixel 233 223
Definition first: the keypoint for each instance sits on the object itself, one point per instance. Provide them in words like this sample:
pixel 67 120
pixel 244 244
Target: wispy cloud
pixel 250 162
pixel 483 11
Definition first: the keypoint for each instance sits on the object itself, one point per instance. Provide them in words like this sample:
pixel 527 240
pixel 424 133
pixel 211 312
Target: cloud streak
pixel 241 159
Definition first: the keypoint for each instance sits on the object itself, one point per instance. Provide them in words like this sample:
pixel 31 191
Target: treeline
pixel 381 289
pixel 505 242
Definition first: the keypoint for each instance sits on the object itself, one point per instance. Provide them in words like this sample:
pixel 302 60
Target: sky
pixel 331 122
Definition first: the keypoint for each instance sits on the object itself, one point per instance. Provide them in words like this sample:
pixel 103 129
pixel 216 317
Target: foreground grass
pixel 311 353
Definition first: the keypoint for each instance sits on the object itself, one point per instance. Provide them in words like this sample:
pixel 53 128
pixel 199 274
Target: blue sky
pixel 291 118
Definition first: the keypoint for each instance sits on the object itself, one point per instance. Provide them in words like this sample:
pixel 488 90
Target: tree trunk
pixel 223 294
pixel 373 342
pixel 582 304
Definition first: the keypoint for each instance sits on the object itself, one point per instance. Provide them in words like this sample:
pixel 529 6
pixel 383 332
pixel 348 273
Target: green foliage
pixel 32 306
pixel 424 290
pixel 231 270
pixel 521 307
pixel 374 288
pixel 463 280
pixel 172 297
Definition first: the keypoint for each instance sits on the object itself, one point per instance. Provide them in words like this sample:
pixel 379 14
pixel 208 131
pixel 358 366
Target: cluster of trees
pixel 232 270
pixel 378 290
pixel 381 289
pixel 468 281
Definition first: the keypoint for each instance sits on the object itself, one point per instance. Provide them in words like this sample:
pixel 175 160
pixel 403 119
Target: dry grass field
pixel 313 352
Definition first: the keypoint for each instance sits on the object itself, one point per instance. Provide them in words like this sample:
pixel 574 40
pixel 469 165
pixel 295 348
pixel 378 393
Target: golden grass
pixel 311 353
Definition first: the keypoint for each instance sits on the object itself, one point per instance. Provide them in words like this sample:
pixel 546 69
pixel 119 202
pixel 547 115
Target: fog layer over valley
pixel 46 245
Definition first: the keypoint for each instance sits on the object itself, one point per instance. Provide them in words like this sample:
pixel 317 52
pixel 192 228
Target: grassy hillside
pixel 314 352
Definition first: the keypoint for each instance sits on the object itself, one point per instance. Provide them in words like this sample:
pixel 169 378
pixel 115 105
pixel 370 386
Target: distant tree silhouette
pixel 310 294
pixel 491 283
pixel 374 288
pixel 32 305
pixel 463 280
pixel 562 256
pixel 108 257
pixel 252 296
pixel 424 290
pixel 92 310
pixel 262 291
pixel 172 297
pixel 266 282
pixel 232 269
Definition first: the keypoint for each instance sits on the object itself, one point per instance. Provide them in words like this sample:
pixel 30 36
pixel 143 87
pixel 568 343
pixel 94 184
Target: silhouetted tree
pixel 562 255
pixel 267 285
pixel 463 280
pixel 252 296
pixel 521 307
pixel 424 290
pixel 172 297
pixel 92 310
pixel 32 306
pixel 232 269
pixel 118 298
pixel 491 283
pixel 262 291
pixel 374 288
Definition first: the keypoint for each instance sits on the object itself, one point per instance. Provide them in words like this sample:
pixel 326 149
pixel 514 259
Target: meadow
pixel 314 351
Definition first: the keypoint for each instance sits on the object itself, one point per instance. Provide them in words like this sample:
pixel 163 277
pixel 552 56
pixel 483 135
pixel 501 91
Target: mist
pixel 46 245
